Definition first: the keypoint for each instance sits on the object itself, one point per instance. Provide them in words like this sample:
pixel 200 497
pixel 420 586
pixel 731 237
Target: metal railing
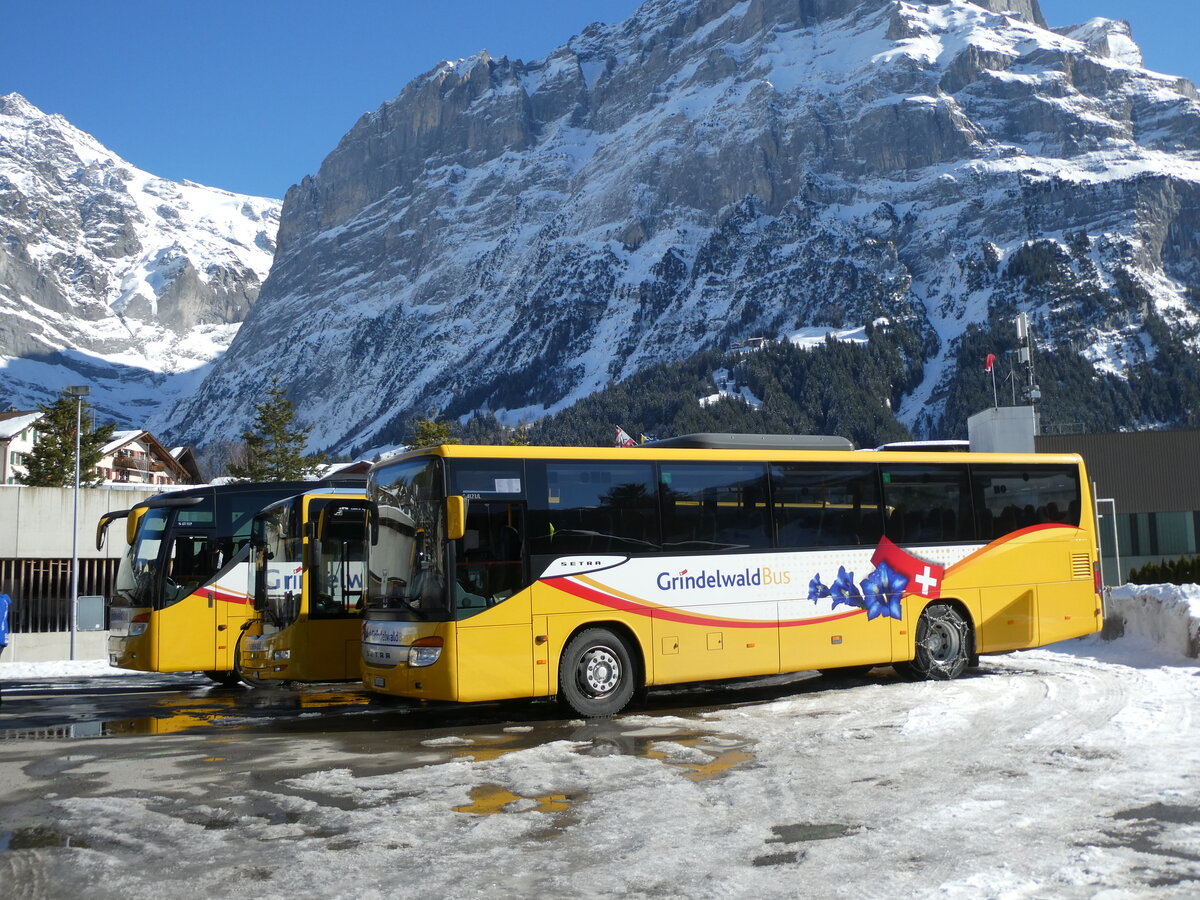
pixel 41 590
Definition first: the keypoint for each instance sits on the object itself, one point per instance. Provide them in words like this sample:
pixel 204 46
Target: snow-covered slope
pixel 512 236
pixel 111 276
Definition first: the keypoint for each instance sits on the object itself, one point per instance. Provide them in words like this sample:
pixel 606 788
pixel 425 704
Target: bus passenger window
pixel 928 504
pixel 715 506
pixel 594 507
pixel 821 505
pixel 1011 497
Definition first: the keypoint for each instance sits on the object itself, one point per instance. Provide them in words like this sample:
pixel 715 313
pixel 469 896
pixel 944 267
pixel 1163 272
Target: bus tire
pixel 943 645
pixel 225 679
pixel 596 676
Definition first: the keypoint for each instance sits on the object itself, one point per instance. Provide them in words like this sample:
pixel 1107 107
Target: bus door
pixel 332 639
pixel 194 627
pixel 829 516
pixel 494 615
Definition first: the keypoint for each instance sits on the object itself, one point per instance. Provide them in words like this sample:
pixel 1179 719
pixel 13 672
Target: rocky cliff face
pixel 511 236
pixel 112 277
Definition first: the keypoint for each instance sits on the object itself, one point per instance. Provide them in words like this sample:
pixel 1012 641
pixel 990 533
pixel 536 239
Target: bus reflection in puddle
pixel 180 714
pixel 699 756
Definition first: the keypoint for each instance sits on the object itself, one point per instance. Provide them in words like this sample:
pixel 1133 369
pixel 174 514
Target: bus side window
pixel 190 565
pixel 715 506
pixel 582 507
pixel 490 557
pixel 932 504
pixel 822 505
pixel 1009 497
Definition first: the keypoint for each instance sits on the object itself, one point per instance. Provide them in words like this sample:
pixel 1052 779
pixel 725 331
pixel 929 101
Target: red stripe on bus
pixel 584 592
pixel 220 595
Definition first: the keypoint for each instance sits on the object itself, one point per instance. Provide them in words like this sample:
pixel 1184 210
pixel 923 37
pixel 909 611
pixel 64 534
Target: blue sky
pixel 250 95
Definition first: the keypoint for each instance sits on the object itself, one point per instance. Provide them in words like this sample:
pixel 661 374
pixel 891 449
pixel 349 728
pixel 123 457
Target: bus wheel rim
pixel 942 641
pixel 601 671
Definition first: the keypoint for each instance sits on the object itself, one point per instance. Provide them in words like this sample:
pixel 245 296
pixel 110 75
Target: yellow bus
pixel 307 559
pixel 592 573
pixel 183 586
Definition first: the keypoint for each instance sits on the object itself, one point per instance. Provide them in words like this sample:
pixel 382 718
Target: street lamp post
pixel 78 392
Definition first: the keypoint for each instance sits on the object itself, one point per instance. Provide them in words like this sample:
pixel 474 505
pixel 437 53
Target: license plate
pixel 379 682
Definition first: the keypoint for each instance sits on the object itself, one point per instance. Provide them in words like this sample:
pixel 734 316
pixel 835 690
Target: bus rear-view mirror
pixel 456 517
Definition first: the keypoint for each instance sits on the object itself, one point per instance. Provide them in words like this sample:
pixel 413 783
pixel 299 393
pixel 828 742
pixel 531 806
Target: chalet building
pixel 136 457
pixel 131 457
pixel 18 433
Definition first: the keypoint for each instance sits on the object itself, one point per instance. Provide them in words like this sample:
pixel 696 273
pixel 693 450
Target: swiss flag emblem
pixel 924 578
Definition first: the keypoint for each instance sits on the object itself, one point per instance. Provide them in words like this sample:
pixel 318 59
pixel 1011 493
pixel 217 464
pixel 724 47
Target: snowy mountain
pixel 112 277
pixel 510 236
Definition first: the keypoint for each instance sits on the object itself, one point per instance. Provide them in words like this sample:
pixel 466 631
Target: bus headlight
pixel 425 652
pixel 282 654
pixel 139 624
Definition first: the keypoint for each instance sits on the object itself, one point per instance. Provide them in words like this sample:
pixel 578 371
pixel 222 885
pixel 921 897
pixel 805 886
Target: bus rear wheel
pixel 943 644
pixel 596 675
pixel 225 679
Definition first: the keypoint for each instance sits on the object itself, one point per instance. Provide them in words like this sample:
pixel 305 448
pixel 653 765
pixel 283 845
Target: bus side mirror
pixel 456 517
pixel 312 531
pixel 258 533
pixel 102 526
pixel 131 524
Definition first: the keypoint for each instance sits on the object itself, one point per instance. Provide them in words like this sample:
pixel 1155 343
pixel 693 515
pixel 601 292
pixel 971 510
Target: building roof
pixel 120 439
pixel 15 421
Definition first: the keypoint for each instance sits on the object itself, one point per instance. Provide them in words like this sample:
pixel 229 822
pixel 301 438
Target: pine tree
pixel 274 450
pixel 431 433
pixel 51 463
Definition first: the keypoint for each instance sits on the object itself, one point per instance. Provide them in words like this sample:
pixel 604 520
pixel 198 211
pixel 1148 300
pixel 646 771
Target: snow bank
pixel 76 668
pixel 1166 615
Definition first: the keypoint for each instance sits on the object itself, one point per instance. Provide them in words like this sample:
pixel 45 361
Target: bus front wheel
pixel 225 679
pixel 943 644
pixel 596 675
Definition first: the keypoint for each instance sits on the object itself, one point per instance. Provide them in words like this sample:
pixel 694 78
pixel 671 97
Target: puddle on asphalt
pixel 231 710
pixel 697 755
pixel 326 699
pixel 801 833
pixel 1146 830
pixel 38 837
pixel 490 799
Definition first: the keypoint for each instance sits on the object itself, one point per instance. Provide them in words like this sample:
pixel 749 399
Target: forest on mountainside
pixel 852 390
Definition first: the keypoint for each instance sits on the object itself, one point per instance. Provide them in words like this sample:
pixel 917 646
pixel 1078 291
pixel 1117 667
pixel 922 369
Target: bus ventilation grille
pixel 1081 565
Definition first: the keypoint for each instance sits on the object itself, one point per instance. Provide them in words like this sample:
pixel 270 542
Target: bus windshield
pixel 137 573
pixel 278 585
pixel 407 564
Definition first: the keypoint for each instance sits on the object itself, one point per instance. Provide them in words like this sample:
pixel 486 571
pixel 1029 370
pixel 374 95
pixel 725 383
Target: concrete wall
pixel 35 523
pixel 54 646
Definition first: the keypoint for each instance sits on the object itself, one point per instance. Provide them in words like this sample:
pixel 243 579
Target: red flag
pixel 991 361
pixel 623 439
pixel 924 579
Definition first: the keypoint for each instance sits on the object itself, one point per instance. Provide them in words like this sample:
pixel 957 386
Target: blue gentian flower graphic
pixel 844 590
pixel 882 590
pixel 816 590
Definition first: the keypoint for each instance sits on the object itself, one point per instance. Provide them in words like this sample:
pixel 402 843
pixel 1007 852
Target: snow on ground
pixel 1068 771
pixel 66 668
